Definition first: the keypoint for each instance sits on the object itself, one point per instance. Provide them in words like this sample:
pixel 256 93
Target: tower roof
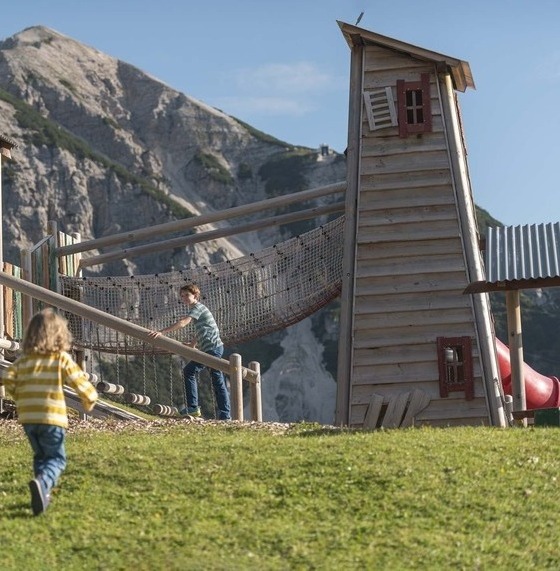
pixel 459 69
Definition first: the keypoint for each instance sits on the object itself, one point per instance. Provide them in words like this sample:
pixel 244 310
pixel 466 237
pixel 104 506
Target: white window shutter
pixel 380 108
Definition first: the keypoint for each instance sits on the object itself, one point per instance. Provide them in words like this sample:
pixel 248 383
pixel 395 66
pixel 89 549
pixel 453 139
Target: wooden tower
pixel 414 348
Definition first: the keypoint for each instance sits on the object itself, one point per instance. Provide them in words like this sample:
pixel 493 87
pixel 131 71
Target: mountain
pixel 105 148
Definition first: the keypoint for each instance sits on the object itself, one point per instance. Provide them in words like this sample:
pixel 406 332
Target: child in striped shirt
pixel 207 340
pixel 35 381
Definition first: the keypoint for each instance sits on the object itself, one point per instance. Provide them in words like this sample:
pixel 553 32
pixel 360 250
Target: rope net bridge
pixel 250 296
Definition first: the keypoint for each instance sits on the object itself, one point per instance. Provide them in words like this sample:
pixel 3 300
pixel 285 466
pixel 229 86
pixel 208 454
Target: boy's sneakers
pixel 39 499
pixel 188 411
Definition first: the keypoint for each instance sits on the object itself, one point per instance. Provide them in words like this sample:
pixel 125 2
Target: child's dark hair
pixel 47 332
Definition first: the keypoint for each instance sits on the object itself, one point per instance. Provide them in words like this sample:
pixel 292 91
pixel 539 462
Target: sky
pixel 282 66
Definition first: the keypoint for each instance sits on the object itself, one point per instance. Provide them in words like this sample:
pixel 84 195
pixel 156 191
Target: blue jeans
pixel 49 455
pixel 190 374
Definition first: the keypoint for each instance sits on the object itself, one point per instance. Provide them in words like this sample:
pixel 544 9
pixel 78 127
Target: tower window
pixel 455 366
pixel 413 101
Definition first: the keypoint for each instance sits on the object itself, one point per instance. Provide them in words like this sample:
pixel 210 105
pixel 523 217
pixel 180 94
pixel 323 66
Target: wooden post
pixel 5 147
pixel 2 389
pixel 256 397
pixel 516 350
pixel 76 258
pixel 236 381
pixel 2 325
pixel 26 300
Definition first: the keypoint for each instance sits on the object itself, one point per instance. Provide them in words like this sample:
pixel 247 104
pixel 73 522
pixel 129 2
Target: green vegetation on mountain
pixel 42 131
pixel 213 167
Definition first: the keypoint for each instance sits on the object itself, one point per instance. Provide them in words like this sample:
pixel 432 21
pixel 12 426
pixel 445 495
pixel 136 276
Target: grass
pixel 240 496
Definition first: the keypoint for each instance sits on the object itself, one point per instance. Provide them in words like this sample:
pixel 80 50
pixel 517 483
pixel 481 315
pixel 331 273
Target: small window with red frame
pixel 413 103
pixel 455 364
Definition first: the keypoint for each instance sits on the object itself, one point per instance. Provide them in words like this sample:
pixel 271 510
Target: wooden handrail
pixel 121 325
pixel 210 235
pixel 179 225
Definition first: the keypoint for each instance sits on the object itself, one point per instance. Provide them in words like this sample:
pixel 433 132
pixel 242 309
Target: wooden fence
pixel 40 265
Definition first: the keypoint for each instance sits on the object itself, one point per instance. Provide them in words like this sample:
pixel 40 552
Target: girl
pixel 35 381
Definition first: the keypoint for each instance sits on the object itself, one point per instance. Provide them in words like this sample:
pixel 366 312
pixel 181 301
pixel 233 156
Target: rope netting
pixel 249 296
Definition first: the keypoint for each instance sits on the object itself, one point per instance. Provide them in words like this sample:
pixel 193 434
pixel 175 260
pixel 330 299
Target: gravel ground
pixel 11 428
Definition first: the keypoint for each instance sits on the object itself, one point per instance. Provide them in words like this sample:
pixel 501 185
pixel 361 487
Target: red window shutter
pixel 414 106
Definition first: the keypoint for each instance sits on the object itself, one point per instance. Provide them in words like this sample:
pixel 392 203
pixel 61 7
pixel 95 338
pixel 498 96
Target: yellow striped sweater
pixel 35 382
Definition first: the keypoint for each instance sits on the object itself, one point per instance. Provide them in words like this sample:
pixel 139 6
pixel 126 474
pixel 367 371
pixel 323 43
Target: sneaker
pixel 187 411
pixel 39 500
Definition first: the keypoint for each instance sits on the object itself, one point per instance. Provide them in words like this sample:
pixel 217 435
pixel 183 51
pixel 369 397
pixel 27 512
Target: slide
pixel 540 391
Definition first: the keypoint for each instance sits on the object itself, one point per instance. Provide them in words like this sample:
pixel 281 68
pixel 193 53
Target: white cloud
pixel 244 106
pixel 300 77
pixel 276 90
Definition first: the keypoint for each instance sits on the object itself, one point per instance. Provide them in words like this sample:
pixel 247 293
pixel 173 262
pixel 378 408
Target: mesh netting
pixel 250 296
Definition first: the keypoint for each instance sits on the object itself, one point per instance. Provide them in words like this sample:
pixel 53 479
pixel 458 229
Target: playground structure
pixel 541 391
pixel 413 349
pixel 267 288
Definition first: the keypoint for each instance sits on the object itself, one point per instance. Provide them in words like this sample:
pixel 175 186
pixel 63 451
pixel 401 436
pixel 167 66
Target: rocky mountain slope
pixel 105 148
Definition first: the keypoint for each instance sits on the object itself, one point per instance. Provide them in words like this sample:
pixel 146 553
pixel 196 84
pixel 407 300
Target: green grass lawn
pixel 239 496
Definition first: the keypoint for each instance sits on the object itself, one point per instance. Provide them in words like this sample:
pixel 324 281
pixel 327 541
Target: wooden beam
pixel 127 253
pixel 345 345
pixel 179 225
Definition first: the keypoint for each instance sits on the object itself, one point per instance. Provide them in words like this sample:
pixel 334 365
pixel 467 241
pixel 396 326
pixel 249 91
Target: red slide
pixel 540 391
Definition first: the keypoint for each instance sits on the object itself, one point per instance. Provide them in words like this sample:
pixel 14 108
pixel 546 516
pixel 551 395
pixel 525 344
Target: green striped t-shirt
pixel 207 332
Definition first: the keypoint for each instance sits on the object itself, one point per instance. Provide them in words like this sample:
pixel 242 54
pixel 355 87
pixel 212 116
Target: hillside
pixel 244 497
pixel 106 148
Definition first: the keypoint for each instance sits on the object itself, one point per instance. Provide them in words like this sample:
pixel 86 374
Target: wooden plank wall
pixel 13 320
pixel 68 265
pixel 44 272
pixel 410 267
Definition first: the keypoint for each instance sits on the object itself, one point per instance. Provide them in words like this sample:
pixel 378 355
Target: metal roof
pixel 520 257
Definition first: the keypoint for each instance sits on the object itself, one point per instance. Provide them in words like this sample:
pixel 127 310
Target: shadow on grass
pixel 20 510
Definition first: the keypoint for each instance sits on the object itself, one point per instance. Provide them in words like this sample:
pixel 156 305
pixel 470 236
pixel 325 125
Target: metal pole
pixel 209 235
pixel 180 225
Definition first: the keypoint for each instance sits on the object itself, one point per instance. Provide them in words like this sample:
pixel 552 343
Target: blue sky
pixel 283 67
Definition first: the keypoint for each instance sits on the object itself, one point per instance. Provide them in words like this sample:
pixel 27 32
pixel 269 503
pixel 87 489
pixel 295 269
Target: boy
pixel 207 340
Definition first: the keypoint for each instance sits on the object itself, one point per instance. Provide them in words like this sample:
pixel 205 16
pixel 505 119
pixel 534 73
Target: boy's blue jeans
pixel 49 455
pixel 190 374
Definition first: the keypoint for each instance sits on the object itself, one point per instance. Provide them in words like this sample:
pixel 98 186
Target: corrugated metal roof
pixel 527 252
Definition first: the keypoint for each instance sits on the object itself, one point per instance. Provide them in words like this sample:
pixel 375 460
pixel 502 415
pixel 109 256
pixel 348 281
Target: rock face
pixel 105 148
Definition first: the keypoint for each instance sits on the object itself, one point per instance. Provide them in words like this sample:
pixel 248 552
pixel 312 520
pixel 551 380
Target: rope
pixel 250 296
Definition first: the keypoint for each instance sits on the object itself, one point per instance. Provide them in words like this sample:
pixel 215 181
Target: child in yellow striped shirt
pixel 35 381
